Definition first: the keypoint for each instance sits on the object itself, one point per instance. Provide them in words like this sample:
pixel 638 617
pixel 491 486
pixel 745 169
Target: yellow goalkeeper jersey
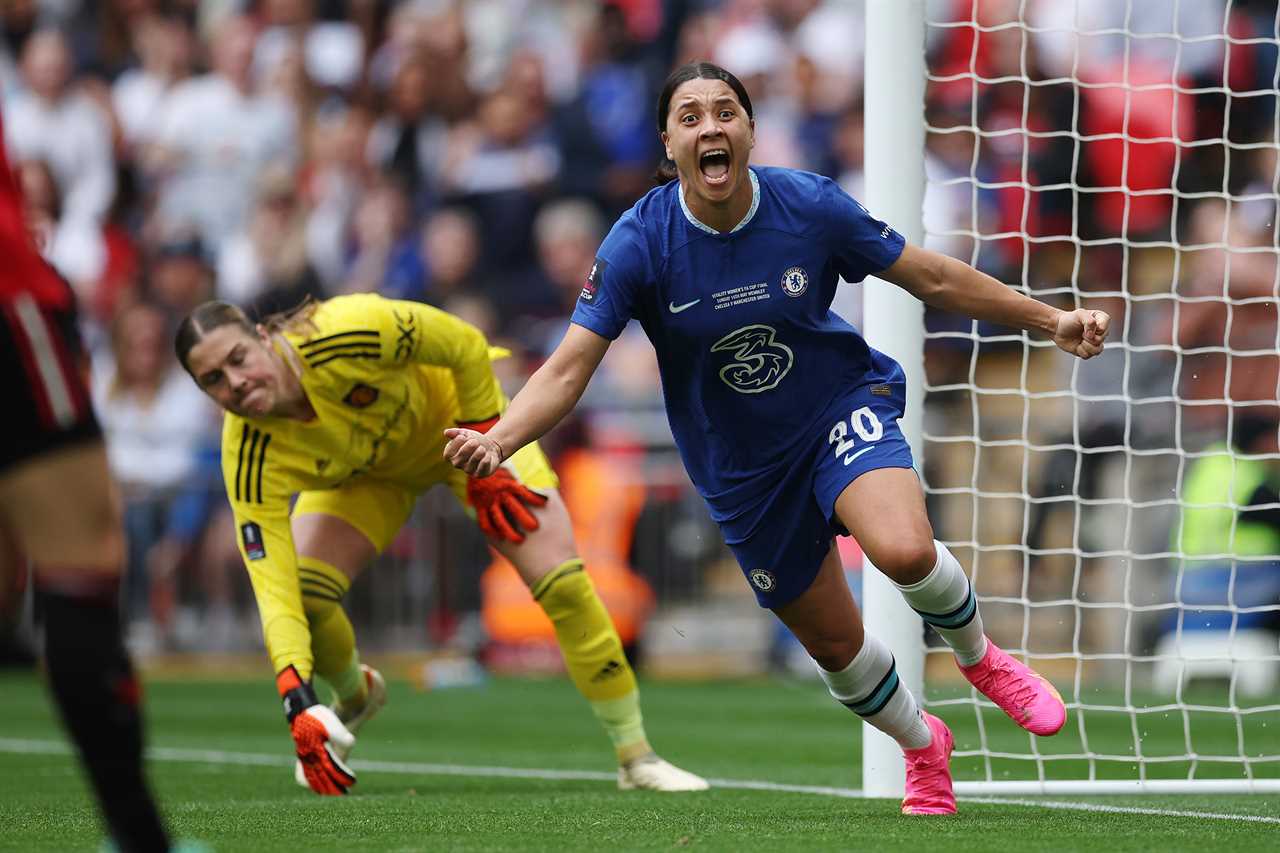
pixel 385 378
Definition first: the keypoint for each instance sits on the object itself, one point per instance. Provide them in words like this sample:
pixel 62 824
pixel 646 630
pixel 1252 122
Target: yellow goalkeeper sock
pixel 333 640
pixel 623 722
pixel 593 655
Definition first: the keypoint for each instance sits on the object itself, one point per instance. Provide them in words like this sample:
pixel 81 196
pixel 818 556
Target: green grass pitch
pixel 220 763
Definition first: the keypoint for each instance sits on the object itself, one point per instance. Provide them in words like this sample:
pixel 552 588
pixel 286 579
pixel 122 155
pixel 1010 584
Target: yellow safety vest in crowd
pixel 1214 491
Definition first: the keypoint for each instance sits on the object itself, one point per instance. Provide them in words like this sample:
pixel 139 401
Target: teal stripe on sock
pixel 957 618
pixel 879 697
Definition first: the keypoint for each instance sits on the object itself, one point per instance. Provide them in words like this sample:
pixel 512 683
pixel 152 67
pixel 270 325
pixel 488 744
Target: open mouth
pixel 714 165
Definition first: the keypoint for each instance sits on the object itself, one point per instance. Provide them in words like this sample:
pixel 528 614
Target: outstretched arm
pixel 549 395
pixel 954 286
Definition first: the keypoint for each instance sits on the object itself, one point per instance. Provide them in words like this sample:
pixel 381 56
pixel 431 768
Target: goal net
pixel 1118 517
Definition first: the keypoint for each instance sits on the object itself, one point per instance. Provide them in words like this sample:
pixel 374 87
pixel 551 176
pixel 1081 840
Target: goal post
pixel 892 318
pixel 1125 156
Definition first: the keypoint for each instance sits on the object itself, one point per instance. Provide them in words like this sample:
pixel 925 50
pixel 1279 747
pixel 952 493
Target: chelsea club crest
pixel 762 579
pixel 795 281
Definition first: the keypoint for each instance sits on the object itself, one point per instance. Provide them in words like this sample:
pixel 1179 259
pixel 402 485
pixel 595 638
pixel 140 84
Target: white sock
pixel 869 687
pixel 945 600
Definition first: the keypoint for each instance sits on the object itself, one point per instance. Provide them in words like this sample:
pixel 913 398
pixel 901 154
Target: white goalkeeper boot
pixel 353 719
pixel 376 697
pixel 651 773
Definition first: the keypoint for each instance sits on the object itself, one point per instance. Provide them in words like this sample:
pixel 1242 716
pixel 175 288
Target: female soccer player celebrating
pixel 342 404
pixel 785 418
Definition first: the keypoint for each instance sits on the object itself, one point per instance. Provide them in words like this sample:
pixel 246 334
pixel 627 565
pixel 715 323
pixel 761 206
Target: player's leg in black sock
pixel 94 686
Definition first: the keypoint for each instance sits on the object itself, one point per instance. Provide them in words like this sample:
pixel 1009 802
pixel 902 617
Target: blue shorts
pixel 781 546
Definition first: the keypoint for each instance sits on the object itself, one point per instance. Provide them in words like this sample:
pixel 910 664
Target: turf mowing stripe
pixel 213 756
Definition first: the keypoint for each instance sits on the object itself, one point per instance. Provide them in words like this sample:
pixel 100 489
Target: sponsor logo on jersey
pixel 406 334
pixel 881 391
pixel 762 580
pixel 759 361
pixel 251 536
pixel 885 232
pixel 593 280
pixel 361 396
pixel 676 309
pixel 795 281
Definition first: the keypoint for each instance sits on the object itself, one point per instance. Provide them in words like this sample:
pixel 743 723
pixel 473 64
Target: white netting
pixel 1119 516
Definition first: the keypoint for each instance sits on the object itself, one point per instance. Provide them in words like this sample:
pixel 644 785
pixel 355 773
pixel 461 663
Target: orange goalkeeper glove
pixel 319 737
pixel 500 500
pixel 501 503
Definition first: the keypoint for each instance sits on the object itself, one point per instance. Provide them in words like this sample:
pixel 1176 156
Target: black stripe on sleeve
pixel 359 333
pixel 329 358
pixel 244 436
pixel 262 456
pixel 248 471
pixel 353 346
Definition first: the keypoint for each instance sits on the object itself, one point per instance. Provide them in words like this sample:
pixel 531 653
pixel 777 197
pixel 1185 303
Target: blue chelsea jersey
pixel 750 352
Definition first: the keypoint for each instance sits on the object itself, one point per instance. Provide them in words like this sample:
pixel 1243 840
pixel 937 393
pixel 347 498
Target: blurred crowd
pixel 1126 152
pixel 473 153
pixel 1120 155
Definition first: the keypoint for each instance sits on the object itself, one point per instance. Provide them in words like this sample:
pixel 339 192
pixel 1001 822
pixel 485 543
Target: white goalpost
pixel 1116 154
pixel 893 319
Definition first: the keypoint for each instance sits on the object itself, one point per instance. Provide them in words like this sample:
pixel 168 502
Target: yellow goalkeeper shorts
pixel 379 508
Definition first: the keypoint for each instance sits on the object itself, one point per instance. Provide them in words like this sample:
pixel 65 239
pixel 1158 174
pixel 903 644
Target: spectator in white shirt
pixel 164 45
pixel 215 134
pixel 155 425
pixel 50 120
pixel 74 246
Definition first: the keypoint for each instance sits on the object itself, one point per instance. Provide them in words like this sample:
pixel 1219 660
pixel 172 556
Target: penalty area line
pixel 253 759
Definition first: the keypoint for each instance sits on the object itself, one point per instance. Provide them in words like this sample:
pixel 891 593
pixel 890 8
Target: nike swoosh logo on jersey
pixel 853 456
pixel 676 309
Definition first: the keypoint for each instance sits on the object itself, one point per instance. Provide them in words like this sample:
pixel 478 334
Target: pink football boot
pixel 1021 692
pixel 929 773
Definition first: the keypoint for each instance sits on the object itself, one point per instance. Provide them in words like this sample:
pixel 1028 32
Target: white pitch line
pixel 214 756
pixel 1098 807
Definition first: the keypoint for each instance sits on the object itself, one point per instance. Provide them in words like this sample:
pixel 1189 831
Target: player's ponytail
pixel 295 319
pixel 666 170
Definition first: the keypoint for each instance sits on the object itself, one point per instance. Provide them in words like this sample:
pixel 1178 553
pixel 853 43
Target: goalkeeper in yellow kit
pixel 343 403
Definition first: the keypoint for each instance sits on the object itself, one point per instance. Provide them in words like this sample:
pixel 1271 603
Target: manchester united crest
pixel 361 396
